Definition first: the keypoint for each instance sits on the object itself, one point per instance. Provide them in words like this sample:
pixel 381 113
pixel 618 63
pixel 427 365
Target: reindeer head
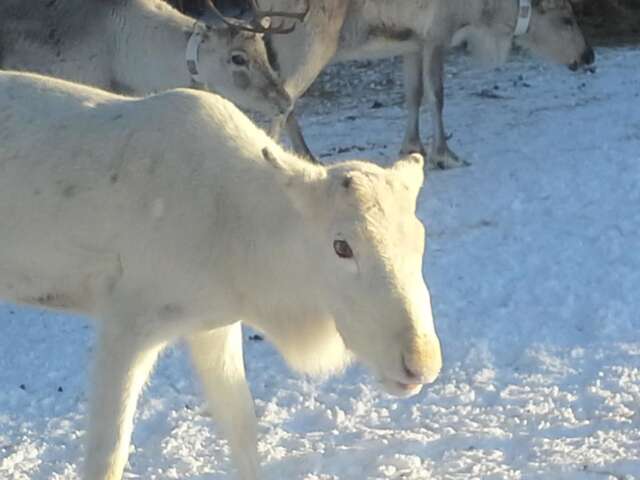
pixel 554 34
pixel 235 64
pixel 359 247
pixel 232 59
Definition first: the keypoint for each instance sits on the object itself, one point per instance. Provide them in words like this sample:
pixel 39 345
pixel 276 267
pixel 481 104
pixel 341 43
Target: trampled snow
pixel 533 260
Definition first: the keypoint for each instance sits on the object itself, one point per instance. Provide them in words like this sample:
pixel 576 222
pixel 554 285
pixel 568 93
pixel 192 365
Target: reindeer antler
pixel 254 24
pixel 300 16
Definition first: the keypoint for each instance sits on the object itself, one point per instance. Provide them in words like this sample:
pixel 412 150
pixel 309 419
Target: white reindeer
pixel 142 46
pixel 421 31
pixel 108 211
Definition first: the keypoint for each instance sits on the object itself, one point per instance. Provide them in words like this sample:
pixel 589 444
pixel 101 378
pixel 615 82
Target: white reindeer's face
pixel 236 65
pixel 554 34
pixel 367 260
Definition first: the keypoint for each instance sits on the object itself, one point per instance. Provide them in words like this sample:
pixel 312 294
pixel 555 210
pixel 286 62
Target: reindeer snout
pixel 285 106
pixel 281 99
pixel 423 362
pixel 588 56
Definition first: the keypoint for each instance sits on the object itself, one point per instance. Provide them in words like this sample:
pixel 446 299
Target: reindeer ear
pixel 410 170
pixel 266 22
pixel 461 36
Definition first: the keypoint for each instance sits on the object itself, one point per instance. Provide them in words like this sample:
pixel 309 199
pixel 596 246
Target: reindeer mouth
pixel 588 58
pixel 400 389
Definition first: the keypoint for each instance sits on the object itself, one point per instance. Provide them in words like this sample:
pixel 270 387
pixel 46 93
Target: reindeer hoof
pixel 445 161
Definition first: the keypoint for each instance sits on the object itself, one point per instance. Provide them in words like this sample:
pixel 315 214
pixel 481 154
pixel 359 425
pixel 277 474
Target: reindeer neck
pixel 489 12
pixel 150 48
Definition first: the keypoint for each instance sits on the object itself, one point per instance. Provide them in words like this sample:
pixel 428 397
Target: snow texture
pixel 533 259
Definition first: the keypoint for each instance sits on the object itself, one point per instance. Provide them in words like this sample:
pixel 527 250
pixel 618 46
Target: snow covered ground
pixel 533 260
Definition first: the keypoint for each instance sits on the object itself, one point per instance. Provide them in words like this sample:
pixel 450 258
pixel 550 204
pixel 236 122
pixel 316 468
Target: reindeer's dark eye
pixel 342 248
pixel 239 60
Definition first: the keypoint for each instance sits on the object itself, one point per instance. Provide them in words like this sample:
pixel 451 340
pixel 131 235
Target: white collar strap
pixel 524 18
pixel 192 52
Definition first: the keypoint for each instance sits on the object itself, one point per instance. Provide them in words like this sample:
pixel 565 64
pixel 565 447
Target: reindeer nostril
pixel 411 375
pixel 589 56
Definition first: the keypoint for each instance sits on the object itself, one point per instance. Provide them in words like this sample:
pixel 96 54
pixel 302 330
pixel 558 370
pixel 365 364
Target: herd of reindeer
pixel 137 47
pixel 135 192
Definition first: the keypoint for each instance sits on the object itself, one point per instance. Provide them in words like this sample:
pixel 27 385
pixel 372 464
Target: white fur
pixel 108 210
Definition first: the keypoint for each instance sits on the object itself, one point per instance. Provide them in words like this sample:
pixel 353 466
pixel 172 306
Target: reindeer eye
pixel 239 60
pixel 342 248
pixel 567 21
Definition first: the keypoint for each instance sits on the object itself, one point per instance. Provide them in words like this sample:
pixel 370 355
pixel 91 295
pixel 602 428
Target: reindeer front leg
pixel 440 155
pixel 217 356
pixel 122 364
pixel 413 92
pixel 297 139
pixel 299 144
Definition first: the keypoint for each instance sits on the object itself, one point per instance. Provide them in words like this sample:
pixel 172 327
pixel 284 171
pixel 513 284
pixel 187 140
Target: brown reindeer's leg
pixel 297 139
pixel 290 122
pixel 275 128
pixel 439 154
pixel 414 92
pixel 302 55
